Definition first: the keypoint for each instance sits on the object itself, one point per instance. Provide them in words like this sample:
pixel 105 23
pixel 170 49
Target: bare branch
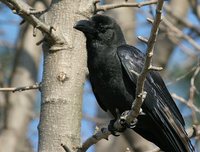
pixel 35 86
pixel 194 131
pixel 125 4
pixel 192 85
pixel 190 101
pixel 155 68
pixel 27 13
pixel 141 79
pixel 182 20
pixel 192 93
pixel 180 34
pixel 150 20
pixel 182 100
pixel 182 76
pixel 100 134
pixel 65 148
pixel 143 39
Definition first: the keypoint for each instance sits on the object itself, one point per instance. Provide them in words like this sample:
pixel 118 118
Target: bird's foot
pixel 124 123
pixel 113 130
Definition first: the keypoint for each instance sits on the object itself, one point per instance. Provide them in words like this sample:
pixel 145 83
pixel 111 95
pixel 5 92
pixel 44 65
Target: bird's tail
pixel 164 130
pixel 175 132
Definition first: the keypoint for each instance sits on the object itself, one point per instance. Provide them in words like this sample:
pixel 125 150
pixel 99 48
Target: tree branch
pixel 35 86
pixel 190 101
pixel 140 93
pixel 125 4
pixel 194 131
pixel 182 100
pixel 135 111
pixel 182 20
pixel 180 34
pixel 28 13
pixel 192 94
pixel 100 134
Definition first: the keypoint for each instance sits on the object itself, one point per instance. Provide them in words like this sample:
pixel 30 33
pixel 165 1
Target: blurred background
pixel 177 51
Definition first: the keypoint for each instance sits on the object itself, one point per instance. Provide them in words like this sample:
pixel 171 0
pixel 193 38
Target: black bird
pixel 113 67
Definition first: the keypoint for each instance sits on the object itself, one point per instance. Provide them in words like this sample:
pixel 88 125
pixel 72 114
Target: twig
pixel 182 100
pixel 65 148
pixel 182 21
pixel 194 131
pixel 35 86
pixel 180 34
pixel 27 13
pixel 140 93
pixel 182 76
pixel 125 4
pixel 192 85
pixel 190 101
pixel 100 134
pixel 192 93
pixel 147 66
pixel 143 39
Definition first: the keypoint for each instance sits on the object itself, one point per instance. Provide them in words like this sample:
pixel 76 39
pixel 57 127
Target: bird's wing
pixel 132 60
pixel 158 105
pixel 155 80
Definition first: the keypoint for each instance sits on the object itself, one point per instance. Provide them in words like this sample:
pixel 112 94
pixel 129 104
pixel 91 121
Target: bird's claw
pixel 124 123
pixel 113 130
pixel 133 124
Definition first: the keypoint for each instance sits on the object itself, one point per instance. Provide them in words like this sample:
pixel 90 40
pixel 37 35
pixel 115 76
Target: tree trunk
pixel 63 79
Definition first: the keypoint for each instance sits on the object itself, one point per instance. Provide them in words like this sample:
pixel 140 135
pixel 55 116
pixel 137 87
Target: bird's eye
pixel 106 34
pixel 109 33
pixel 102 30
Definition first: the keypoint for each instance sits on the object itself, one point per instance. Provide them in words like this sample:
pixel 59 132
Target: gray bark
pixel 63 79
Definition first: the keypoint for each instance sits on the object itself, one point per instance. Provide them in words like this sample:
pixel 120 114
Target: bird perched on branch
pixel 113 70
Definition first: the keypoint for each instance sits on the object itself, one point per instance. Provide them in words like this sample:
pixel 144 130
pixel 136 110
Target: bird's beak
pixel 86 26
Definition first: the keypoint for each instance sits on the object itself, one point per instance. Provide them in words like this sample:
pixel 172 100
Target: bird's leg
pixel 117 113
pixel 133 123
pixel 122 120
pixel 114 131
pixel 111 127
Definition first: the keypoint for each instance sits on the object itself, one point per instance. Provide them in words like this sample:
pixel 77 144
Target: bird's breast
pixel 106 70
pixel 107 80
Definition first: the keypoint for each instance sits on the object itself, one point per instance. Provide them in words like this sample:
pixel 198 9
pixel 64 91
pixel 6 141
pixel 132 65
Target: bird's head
pixel 101 28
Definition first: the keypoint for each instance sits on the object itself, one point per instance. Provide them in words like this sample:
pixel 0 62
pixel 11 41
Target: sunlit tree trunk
pixel 63 78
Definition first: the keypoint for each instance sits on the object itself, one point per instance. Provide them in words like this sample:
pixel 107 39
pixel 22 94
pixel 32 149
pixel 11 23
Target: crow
pixel 113 70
